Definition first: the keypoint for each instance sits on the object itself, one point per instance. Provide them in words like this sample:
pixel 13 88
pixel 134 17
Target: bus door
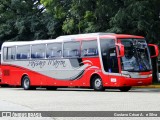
pixel 109 59
pixel 113 61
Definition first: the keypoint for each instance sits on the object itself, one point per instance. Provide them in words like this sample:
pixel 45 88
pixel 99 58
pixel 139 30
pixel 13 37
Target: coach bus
pixel 1 83
pixel 95 60
pixel 0 70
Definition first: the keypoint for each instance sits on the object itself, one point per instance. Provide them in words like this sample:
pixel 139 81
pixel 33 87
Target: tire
pixel 26 84
pixel 51 88
pixel 97 84
pixel 125 89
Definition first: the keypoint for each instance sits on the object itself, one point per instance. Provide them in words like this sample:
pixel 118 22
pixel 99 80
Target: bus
pixel 0 70
pixel 94 60
pixel 1 83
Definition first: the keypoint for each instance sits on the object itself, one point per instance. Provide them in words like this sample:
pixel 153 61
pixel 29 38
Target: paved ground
pixel 72 99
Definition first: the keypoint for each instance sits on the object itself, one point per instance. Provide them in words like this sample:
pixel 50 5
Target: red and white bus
pixel 1 83
pixel 0 71
pixel 95 60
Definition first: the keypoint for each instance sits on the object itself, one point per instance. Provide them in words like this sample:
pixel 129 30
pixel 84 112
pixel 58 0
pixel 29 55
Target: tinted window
pixel 109 56
pixel 23 52
pixel 9 53
pixel 54 50
pixel 5 53
pixel 38 51
pixel 89 48
pixel 71 49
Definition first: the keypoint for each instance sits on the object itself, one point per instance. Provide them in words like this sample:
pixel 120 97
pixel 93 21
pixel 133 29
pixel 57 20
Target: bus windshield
pixel 136 56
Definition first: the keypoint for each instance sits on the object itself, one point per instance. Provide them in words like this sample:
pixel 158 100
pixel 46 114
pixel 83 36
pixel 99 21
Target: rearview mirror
pixel 154 51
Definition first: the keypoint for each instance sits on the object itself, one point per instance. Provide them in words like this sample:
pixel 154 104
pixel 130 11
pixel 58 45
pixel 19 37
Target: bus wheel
pixel 51 88
pixel 124 89
pixel 97 84
pixel 26 83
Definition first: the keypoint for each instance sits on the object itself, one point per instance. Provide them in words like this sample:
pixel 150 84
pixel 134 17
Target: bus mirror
pixel 120 48
pixel 154 51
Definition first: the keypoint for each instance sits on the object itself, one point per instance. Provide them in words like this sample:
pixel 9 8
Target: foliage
pixel 44 19
pixel 83 15
pixel 138 17
pixel 21 20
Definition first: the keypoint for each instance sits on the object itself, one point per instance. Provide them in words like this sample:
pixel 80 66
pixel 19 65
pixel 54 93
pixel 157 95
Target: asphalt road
pixel 73 99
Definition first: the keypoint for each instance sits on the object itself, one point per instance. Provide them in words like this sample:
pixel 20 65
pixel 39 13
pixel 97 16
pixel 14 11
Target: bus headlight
pixel 150 75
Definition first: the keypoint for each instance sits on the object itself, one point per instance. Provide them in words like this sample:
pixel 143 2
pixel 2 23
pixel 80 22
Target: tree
pixel 90 15
pixel 138 17
pixel 83 15
pixel 43 19
pixel 57 11
pixel 22 20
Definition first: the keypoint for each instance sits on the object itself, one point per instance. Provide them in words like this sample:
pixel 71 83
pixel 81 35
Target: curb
pixel 148 86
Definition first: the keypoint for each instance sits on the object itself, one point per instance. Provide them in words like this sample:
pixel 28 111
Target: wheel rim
pixel 26 83
pixel 98 83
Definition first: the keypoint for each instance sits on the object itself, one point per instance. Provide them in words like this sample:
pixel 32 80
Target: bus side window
pixel 71 49
pixel 89 48
pixel 74 52
pixel 54 50
pixel 5 53
pixel 23 52
pixel 13 53
pixel 38 51
pixel 92 52
pixel 59 53
pixel 9 53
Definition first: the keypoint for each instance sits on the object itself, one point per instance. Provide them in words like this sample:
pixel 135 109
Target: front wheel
pixel 97 84
pixel 26 84
pixel 124 89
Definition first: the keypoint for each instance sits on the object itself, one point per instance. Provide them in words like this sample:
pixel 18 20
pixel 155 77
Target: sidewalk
pixel 148 86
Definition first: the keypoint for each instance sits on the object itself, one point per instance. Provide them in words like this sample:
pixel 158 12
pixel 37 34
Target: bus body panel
pixel 13 74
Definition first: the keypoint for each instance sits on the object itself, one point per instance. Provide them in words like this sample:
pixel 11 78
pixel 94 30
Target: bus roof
pixel 87 35
pixel 127 36
pixel 91 35
pixel 70 38
pixel 27 42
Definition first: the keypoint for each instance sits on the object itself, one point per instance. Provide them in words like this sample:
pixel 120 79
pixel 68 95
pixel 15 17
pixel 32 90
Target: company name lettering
pixel 42 63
